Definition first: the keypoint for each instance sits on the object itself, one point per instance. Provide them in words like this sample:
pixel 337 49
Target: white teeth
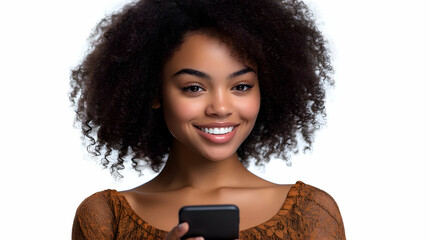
pixel 217 131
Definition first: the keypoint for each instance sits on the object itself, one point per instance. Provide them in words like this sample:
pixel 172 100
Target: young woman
pixel 199 88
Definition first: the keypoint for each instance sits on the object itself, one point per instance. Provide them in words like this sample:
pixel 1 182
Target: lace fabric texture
pixel 307 213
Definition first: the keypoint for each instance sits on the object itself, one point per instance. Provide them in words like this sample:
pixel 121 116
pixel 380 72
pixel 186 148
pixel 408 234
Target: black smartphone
pixel 213 222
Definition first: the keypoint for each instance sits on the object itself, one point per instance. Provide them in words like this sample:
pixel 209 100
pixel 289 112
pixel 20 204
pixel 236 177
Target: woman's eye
pixel 193 89
pixel 242 87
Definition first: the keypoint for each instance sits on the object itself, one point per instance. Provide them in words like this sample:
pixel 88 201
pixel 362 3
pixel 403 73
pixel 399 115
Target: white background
pixel 371 157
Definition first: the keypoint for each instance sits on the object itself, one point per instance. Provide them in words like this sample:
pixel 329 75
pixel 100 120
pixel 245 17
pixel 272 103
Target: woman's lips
pixel 217 132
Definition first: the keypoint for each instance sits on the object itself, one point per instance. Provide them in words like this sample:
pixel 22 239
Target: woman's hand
pixel 179 231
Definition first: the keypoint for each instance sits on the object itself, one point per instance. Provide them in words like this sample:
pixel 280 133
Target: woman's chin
pixel 219 156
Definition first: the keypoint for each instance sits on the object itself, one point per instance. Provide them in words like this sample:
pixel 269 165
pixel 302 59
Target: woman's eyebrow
pixel 206 76
pixel 241 72
pixel 193 72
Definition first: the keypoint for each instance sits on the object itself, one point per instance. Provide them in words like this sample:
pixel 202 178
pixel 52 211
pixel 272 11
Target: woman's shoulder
pixel 95 216
pixel 318 211
pixel 99 205
pixel 307 213
pixel 99 195
pixel 309 195
pixel 99 199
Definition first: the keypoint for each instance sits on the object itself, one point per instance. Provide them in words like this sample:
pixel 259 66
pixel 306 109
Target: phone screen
pixel 211 221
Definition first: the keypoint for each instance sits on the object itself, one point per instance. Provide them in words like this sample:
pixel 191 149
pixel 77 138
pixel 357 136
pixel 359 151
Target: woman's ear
pixel 156 103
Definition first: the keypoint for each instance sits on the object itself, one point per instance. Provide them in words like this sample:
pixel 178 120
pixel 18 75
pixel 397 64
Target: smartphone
pixel 220 222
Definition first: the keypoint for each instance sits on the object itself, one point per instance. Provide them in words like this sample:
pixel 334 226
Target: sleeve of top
pixel 94 219
pixel 321 216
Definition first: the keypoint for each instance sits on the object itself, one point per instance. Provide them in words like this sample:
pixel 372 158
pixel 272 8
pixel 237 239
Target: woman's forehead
pixel 204 51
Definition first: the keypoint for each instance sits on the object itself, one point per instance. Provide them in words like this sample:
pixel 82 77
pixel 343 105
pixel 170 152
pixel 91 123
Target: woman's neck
pixel 185 168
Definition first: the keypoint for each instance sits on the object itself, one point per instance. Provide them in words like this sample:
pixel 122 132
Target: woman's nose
pixel 219 105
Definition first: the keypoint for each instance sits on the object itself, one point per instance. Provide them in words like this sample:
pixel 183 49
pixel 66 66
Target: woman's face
pixel 210 98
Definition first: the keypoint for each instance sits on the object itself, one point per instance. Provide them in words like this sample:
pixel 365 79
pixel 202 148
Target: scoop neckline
pixel 287 204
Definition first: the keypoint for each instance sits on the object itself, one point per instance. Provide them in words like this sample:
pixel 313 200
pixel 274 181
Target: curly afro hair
pixel 115 86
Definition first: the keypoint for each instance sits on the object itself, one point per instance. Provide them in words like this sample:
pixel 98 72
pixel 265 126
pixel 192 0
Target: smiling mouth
pixel 217 131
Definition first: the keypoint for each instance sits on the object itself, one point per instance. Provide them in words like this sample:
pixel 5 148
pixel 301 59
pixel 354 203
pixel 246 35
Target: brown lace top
pixel 308 213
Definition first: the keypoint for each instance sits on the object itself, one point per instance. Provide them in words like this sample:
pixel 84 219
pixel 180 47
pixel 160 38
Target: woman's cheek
pixel 186 110
pixel 249 108
pixel 179 113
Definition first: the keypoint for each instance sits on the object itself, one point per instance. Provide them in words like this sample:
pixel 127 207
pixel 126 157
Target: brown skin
pixel 198 170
